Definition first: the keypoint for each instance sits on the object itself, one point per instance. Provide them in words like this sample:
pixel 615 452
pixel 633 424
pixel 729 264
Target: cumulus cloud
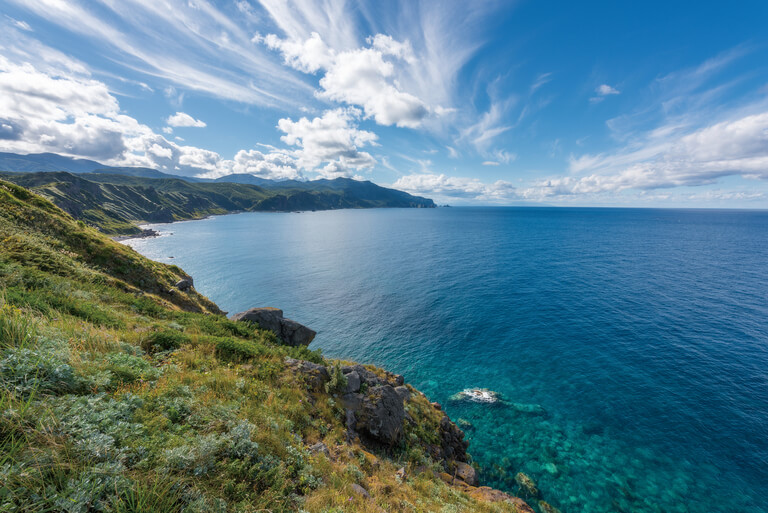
pixel 449 187
pixel 332 139
pixel 72 114
pixel 606 90
pixel 602 91
pixel 364 77
pixel 182 119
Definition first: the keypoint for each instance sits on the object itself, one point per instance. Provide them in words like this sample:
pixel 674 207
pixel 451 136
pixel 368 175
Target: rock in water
pixel 476 395
pixel 527 485
pixel 290 332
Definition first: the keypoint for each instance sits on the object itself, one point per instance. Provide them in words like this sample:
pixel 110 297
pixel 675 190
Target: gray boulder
pixel 466 473
pixel 290 332
pixel 320 448
pixel 314 374
pixel 381 415
pixel 353 382
pixel 403 392
pixel 185 284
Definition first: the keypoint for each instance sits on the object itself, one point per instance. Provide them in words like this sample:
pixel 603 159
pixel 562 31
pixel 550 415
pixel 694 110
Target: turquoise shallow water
pixel 630 346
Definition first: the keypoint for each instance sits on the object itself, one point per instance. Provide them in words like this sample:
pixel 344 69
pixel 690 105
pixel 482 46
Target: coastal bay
pixel 609 333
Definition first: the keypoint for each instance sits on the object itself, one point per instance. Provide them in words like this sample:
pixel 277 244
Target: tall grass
pixel 16 329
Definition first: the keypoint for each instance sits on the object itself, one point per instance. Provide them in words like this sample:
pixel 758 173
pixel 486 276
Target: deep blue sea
pixel 630 345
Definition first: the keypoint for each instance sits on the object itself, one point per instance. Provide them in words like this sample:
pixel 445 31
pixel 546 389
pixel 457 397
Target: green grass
pixel 116 396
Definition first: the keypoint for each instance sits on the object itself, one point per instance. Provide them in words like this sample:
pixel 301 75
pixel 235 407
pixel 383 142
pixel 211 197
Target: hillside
pixel 116 203
pixel 123 391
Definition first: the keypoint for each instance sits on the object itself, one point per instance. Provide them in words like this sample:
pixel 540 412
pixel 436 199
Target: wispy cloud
pixel 193 45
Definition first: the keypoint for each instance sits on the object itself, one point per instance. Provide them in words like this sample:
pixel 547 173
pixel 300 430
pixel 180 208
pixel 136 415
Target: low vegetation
pixel 119 393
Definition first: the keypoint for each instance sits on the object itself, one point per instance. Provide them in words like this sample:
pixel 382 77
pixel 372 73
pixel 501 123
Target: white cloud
pixel 602 92
pixel 21 24
pixel 167 130
pixel 332 139
pixel 488 127
pixel 606 90
pixel 735 147
pixel 363 77
pixel 446 188
pixel 182 119
pixel 275 165
pixel 491 163
pixel 194 45
pixel 78 116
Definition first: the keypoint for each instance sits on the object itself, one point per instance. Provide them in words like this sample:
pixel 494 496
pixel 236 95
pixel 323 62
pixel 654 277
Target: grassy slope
pixel 117 203
pixel 116 395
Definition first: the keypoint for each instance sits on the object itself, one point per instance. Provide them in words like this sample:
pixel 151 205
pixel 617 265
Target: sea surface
pixel 630 346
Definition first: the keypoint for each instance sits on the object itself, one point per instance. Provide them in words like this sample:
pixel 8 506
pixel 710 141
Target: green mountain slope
pixel 121 393
pixel 117 203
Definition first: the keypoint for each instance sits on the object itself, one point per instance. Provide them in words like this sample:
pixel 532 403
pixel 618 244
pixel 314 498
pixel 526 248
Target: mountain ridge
pixel 116 202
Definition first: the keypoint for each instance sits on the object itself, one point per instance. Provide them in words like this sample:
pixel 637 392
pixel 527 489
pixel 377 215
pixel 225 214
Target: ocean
pixel 629 346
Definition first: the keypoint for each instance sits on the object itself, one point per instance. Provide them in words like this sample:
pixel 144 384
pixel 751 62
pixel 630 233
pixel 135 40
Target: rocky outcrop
pixel 315 375
pixel 290 332
pixel 487 494
pixel 453 447
pixel 381 415
pixel 466 473
pixel 184 284
pixel 376 415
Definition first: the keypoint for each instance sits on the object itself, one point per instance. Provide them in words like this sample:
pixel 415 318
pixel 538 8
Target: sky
pixel 540 102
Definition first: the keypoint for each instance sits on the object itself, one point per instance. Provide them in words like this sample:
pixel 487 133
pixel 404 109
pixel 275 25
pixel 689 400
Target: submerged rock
pixel 290 332
pixel 476 395
pixel 545 507
pixel 527 485
pixel 464 423
pixel 531 409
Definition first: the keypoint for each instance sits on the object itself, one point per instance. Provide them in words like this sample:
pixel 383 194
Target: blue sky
pixel 517 102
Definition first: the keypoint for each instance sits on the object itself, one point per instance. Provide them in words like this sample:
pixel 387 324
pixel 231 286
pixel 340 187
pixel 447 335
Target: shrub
pixel 99 427
pixel 164 340
pixel 237 350
pixel 338 381
pixel 43 370
pixel 127 368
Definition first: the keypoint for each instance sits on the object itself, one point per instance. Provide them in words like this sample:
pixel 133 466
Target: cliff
pixel 124 389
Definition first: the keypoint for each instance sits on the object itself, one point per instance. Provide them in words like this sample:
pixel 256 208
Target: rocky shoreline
pixel 376 405
pixel 145 233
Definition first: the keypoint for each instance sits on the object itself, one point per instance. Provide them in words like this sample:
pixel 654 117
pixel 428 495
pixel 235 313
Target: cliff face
pixel 123 389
